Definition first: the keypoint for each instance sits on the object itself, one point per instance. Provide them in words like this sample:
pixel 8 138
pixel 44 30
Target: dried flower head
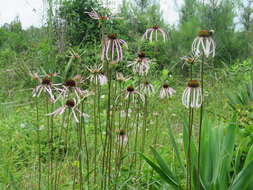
pixel 192 96
pixel 96 75
pixel 155 29
pixel 204 44
pixel 189 60
pixel 74 54
pixel 120 77
pixel 94 15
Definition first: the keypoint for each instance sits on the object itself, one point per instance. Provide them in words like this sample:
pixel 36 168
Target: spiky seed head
pixel 122 132
pixel 70 83
pixel 112 36
pixel 193 84
pixel 70 103
pixel 103 18
pixel 205 33
pixel 156 27
pixel 165 85
pixel 146 83
pixel 130 89
pixel 141 55
pixel 46 81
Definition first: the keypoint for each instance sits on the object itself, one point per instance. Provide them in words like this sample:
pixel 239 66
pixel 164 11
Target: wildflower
pixel 97 76
pixel 72 85
pixel 113 48
pixel 166 91
pixel 147 88
pixel 122 137
pixel 141 64
pixel 149 33
pixel 189 60
pixel 192 96
pixel 74 55
pixel 69 105
pixel 85 94
pixel 45 86
pixel 204 43
pixel 94 15
pixel 120 77
pixel 130 92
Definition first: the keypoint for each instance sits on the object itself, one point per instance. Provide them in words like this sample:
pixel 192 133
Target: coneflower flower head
pixel 46 81
pixel 122 137
pixel 94 15
pixel 192 96
pixel 97 76
pixel 71 85
pixel 70 104
pixel 166 91
pixel 112 48
pixel 155 29
pixel 140 65
pixel 130 92
pixel 147 88
pixel 45 86
pixel 204 44
pixel 120 77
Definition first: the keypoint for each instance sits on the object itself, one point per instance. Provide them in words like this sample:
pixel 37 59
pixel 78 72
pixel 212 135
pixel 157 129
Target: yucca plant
pixel 219 161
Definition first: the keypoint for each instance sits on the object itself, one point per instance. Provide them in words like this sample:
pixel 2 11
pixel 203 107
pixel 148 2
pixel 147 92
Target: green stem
pixel 201 117
pixel 38 141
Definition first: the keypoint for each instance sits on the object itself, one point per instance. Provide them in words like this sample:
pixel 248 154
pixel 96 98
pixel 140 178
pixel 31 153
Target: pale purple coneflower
pixel 112 48
pixel 189 60
pixel 166 91
pixel 94 15
pixel 192 96
pixel 147 88
pixel 69 105
pixel 122 137
pixel 74 55
pixel 96 75
pixel 204 43
pixel 140 65
pixel 72 85
pixel 155 29
pixel 131 93
pixel 45 86
pixel 120 77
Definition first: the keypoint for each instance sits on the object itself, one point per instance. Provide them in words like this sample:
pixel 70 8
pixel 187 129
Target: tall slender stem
pixel 95 128
pixel 38 141
pixel 201 116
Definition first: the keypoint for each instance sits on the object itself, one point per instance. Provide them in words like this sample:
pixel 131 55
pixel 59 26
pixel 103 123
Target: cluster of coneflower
pixel 115 148
pixel 203 47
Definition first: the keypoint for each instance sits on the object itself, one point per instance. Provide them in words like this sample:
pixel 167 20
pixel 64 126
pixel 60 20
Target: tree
pixel 80 27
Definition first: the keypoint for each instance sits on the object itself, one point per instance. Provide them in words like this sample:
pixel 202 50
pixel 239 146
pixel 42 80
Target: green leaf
pixel 175 147
pixel 249 157
pixel 243 179
pixel 161 173
pixel 163 164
